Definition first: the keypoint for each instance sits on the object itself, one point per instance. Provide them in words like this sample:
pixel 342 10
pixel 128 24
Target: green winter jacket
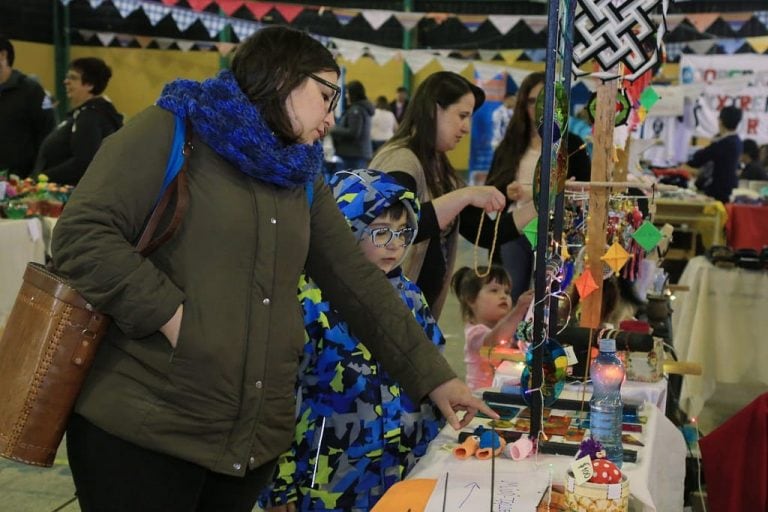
pixel 223 398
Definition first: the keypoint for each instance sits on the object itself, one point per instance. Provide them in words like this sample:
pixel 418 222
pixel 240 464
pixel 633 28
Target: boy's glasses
pixel 381 237
pixel 334 100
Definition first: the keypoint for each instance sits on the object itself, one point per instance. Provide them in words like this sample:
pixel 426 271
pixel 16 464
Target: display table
pixel 656 480
pixel 21 241
pixel 706 216
pixel 747 226
pixel 720 323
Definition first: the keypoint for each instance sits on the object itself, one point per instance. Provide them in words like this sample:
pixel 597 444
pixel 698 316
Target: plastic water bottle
pixel 606 409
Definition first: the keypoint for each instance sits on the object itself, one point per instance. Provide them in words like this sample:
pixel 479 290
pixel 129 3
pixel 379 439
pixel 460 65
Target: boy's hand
pixel 453 396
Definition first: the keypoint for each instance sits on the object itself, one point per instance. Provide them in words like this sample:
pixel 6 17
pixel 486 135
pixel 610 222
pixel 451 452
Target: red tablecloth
pixel 747 226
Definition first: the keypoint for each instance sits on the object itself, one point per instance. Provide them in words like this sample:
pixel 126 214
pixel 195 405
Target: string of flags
pixel 730 27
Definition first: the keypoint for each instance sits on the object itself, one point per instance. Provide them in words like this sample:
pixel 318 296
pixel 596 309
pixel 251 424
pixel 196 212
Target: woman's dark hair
pixel 356 91
pixel 272 63
pixel 506 158
pixel 93 71
pixel 7 47
pixel 382 103
pixel 418 129
pixel 466 285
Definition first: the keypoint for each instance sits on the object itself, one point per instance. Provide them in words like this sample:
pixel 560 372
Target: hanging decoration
pixel 623 107
pixel 555 365
pixel 618 31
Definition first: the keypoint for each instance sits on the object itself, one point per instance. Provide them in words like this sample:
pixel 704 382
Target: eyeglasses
pixel 381 237
pixel 334 100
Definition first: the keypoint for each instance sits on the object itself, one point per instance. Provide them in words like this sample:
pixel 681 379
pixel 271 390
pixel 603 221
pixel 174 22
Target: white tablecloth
pixel 21 241
pixel 721 323
pixel 655 481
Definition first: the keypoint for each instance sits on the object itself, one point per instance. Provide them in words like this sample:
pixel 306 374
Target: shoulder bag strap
pixel 146 244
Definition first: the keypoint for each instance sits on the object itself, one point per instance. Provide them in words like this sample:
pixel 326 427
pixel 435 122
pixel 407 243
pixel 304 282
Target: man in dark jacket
pixel 352 134
pixel 719 161
pixel 399 104
pixel 26 115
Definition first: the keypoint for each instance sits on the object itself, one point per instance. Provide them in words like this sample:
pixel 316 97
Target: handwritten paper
pixel 469 491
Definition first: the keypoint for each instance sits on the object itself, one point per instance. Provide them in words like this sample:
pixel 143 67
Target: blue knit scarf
pixel 232 126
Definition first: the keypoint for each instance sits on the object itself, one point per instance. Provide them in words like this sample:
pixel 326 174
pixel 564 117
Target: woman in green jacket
pixel 190 398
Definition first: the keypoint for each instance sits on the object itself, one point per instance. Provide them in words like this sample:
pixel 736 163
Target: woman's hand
pixel 171 327
pixel 517 192
pixel 453 396
pixel 486 197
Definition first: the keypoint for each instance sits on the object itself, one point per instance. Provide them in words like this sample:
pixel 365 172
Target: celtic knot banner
pixel 614 31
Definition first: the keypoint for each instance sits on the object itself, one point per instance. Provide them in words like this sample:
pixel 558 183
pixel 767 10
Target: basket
pixel 589 497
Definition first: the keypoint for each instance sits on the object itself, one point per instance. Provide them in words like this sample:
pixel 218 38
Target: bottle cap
pixel 607 345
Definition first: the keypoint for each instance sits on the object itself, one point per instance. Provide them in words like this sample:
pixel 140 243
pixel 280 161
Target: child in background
pixel 490 320
pixel 356 432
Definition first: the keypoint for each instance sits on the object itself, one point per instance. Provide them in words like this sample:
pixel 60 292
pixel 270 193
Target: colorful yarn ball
pixel 554 366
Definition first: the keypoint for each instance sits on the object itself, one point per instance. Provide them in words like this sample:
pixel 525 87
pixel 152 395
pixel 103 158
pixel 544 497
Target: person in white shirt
pixel 383 123
pixel 500 119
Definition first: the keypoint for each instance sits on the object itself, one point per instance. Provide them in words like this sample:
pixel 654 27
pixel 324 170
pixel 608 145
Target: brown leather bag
pixel 50 341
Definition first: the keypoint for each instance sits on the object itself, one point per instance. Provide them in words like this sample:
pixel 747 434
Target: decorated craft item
pixel 601 487
pixel 585 284
pixel 554 367
pixel 484 443
pixel 616 257
pixel 520 449
pixel 618 31
pixel 623 108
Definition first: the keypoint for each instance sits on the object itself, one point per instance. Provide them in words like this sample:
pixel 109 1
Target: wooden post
pixel 602 167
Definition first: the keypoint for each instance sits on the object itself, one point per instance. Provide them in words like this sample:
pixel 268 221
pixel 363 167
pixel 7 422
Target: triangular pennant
pixel 760 44
pixel 125 7
pixel 536 54
pixel 229 6
pixel 673 20
pixel 350 50
pixel 243 29
pixel 155 12
pixel 289 11
pixel 585 284
pixel 472 21
pixel 647 235
pixel 536 23
pixel 503 22
pixel 616 257
pixel 408 20
pixel 225 48
pixel 382 55
pixel 184 18
pixel 199 5
pixel 259 9
pixel 86 34
pixel 212 23
pixel 437 17
pixel 418 59
pixel 344 16
pixel 531 231
pixel 702 21
pixel 376 18
pixel 488 54
pixel 143 41
pixel 164 42
pixel 95 3
pixel 730 46
pixel 124 40
pixel 455 65
pixel 487 71
pixel 185 44
pixel 702 46
pixel 106 38
pixel 511 56
pixel 170 2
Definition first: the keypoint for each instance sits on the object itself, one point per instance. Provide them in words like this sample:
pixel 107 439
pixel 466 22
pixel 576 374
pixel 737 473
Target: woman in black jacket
pixel 68 150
